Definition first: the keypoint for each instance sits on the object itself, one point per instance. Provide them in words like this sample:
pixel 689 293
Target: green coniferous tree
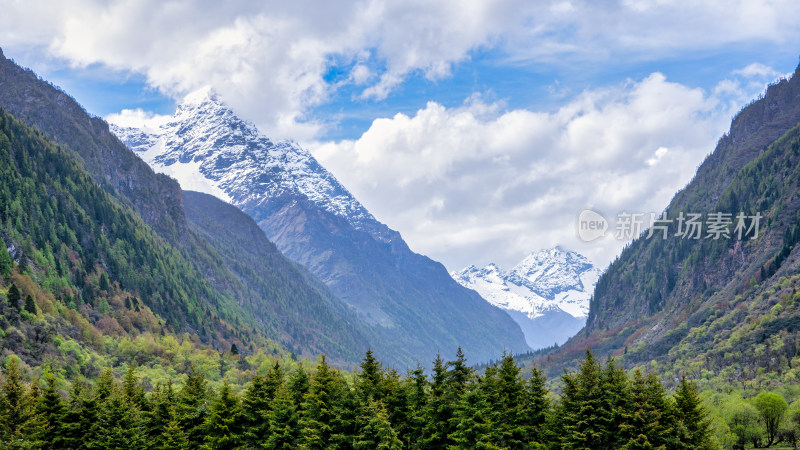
pixel 13 296
pixel 375 431
pixel 274 381
pixel 256 406
pixel 79 416
pixel 318 410
pixel 692 424
pixel 161 413
pixel 439 411
pixel 30 305
pixel 615 405
pixel 299 383
pixel 51 409
pixel 580 412
pixel 173 437
pixel 417 386
pixel 397 400
pixel 283 422
pixel 536 407
pixel 645 422
pixel 369 380
pixel 508 402
pixel 458 375
pixel 15 407
pixel 119 424
pixel 192 407
pixel 473 420
pixel 223 427
pixel 133 390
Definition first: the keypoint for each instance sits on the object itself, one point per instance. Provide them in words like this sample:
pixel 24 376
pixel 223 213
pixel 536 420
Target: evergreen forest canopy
pixel 599 407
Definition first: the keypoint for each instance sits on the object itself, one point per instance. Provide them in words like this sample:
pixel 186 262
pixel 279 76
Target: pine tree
pixel 223 427
pixel 536 407
pixel 473 420
pixel 283 422
pixel 161 414
pixel 417 404
pixel 173 437
pixel 15 408
pixel 369 381
pixel 51 409
pixel 30 305
pixel 580 408
pixel 13 296
pixel 507 404
pixel 119 424
pixel 133 390
pixel 299 383
pixel 458 376
pixel 274 380
pixel 256 407
pixel 79 416
pixel 318 412
pixel 375 431
pixel 397 400
pixel 645 417
pixel 615 404
pixel 693 425
pixel 439 411
pixel 192 407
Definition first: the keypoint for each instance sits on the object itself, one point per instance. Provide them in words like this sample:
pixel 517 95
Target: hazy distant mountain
pixel 547 293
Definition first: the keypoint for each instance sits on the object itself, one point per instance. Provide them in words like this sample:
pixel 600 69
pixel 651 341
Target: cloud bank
pixel 481 180
pixel 275 61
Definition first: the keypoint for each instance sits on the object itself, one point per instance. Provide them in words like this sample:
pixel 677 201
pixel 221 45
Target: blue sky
pixel 478 130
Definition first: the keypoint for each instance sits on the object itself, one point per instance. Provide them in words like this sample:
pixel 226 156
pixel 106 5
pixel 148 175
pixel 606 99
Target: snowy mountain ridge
pixel 545 279
pixel 208 148
pixel 549 283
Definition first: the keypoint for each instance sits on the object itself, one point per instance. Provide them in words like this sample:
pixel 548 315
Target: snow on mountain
pixel 207 148
pixel 552 277
pixel 547 282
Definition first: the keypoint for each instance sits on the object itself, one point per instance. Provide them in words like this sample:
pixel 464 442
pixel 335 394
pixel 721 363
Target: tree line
pixel 373 408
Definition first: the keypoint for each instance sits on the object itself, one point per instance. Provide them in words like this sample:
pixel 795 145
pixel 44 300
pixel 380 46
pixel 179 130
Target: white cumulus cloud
pixel 478 180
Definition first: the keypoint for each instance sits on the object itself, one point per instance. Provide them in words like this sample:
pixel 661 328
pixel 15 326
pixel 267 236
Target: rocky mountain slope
pixel 725 307
pixel 547 293
pixel 410 301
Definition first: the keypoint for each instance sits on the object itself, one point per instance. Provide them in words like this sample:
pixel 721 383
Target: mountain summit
pixel 547 293
pixel 409 300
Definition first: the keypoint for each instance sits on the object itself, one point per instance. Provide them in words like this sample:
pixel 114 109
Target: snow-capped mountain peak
pixel 547 282
pixel 208 148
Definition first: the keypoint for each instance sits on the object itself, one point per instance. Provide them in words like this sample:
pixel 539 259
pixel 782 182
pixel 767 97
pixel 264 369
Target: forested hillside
pixel 722 310
pixel 201 285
